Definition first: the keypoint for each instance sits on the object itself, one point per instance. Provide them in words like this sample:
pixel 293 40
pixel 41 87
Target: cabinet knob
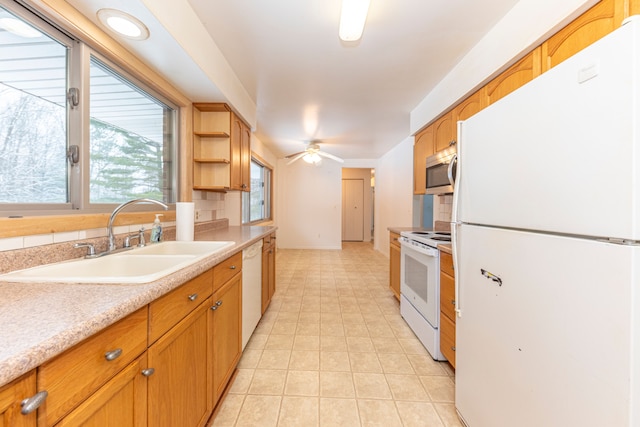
pixel 193 297
pixel 218 303
pixel 233 267
pixel 32 403
pixel 453 348
pixel 148 372
pixel 113 354
pixel 214 307
pixel 453 302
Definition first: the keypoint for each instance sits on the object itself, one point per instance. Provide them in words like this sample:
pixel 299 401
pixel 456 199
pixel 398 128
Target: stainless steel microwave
pixel 441 171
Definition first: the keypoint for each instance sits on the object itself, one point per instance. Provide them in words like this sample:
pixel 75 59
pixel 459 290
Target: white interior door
pixel 353 210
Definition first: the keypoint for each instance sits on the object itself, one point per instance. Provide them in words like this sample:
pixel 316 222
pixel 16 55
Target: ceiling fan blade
pixel 295 157
pixel 294 154
pixel 330 156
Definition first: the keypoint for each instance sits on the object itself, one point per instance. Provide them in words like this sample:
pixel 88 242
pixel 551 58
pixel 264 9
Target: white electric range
pixel 420 285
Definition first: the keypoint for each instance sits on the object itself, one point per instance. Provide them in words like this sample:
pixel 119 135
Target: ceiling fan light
pixel 352 19
pixel 311 158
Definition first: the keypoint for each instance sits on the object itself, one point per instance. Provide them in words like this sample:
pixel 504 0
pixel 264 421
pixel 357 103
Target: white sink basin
pixel 182 248
pixel 140 265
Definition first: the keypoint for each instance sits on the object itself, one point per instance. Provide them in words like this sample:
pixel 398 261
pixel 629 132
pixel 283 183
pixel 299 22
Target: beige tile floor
pixel 333 350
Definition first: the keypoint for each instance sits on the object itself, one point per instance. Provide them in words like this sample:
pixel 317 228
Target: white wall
pixel 394 193
pixel 309 205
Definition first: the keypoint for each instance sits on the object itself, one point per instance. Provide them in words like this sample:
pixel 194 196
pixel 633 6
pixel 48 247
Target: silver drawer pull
pixel 148 372
pixel 32 403
pixel 453 348
pixel 214 307
pixel 453 302
pixel 193 297
pixel 218 303
pixel 113 354
pixel 233 267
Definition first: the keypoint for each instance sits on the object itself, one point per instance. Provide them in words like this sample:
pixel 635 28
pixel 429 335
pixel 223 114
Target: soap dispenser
pixel 156 230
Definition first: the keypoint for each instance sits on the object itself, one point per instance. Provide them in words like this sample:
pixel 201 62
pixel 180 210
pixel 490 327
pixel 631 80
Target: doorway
pixel 357 204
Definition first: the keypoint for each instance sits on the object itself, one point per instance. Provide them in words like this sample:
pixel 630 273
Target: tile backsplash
pixel 442 207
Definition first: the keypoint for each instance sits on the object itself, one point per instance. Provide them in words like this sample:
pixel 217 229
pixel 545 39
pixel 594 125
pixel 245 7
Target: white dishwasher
pixel 251 290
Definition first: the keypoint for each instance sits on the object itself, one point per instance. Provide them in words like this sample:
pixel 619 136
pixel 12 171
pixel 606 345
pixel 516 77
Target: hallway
pixel 333 350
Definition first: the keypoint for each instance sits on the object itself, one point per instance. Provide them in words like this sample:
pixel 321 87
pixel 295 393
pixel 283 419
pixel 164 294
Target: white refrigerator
pixel 546 245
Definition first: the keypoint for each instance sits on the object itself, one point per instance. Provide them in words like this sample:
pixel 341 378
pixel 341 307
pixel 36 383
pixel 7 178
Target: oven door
pixel 420 280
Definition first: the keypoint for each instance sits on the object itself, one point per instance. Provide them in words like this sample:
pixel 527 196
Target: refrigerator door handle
pixel 491 276
pixel 455 223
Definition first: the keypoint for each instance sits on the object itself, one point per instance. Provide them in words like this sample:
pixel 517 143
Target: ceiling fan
pixel 312 154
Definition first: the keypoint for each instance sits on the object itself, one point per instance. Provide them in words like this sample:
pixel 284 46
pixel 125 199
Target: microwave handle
pixel 452 164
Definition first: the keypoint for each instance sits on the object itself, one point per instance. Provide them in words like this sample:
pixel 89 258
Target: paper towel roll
pixel 185 216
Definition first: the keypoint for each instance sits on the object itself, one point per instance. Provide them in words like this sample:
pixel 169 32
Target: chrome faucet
pixel 112 239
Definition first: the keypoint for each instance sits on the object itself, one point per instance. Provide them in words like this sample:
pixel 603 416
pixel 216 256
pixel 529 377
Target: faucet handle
pixel 141 240
pixel 91 251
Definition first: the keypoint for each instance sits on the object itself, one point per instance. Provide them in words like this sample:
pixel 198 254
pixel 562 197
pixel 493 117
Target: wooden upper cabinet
pixel 444 131
pixel 592 25
pixel 470 106
pixel 240 154
pixel 422 148
pixel 519 74
pixel 634 7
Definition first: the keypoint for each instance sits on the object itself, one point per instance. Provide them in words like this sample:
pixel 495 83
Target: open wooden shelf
pixel 212 134
pixel 222 161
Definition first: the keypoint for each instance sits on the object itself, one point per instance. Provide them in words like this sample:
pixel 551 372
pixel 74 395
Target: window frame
pixel 268 199
pixel 79 53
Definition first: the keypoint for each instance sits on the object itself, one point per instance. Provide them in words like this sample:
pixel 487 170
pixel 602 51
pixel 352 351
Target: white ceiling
pixel 305 82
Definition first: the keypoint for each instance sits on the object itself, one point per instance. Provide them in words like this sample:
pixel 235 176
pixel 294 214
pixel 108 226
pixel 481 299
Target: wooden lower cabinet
pixel 394 264
pixel 180 389
pixel 11 397
pixel 76 374
pixel 447 308
pixel 226 333
pixel 121 402
pixel 268 270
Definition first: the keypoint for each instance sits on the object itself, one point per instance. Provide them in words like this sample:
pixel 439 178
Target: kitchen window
pixel 76 131
pixel 256 204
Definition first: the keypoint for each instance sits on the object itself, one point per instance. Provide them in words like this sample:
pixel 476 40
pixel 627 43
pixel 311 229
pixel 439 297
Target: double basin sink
pixel 138 265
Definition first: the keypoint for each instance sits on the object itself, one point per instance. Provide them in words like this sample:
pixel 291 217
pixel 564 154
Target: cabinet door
pixel 592 25
pixel 226 333
pixel 470 106
pixel 272 268
pixel 236 150
pixel 634 7
pixel 266 270
pixel 394 269
pixel 245 157
pixel 11 395
pixel 514 77
pixel 444 131
pixel 180 389
pixel 122 402
pixel 422 148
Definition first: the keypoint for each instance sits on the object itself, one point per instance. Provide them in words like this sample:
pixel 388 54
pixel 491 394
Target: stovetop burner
pixel 431 238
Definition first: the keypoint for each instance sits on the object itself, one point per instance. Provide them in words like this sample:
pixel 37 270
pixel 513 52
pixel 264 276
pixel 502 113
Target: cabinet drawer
pixel 174 306
pixel 79 371
pixel 269 240
pixel 448 339
pixel 446 263
pixel 226 270
pixel 447 296
pixel 393 239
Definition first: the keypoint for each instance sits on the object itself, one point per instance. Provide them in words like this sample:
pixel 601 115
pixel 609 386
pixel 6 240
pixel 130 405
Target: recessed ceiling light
pixel 19 28
pixel 123 24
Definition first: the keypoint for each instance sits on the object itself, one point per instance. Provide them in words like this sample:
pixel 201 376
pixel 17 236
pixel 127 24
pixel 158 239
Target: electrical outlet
pixel 197 214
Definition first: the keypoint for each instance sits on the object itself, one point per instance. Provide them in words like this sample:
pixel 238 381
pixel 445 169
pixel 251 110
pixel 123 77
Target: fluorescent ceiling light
pixel 352 19
pixel 19 28
pixel 123 24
